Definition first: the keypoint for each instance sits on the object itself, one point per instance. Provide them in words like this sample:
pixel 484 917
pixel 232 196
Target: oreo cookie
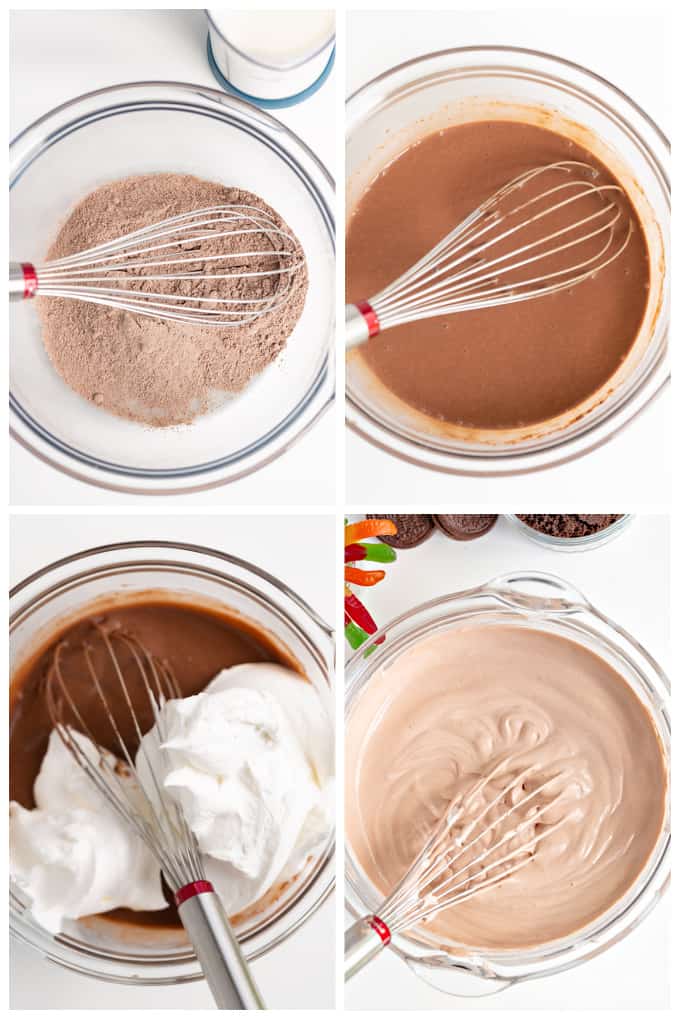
pixel 412 529
pixel 464 527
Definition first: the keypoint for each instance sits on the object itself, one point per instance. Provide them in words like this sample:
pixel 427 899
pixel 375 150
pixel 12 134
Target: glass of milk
pixel 278 57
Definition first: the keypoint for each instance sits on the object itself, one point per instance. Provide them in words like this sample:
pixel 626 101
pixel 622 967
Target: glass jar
pixel 66 588
pixel 277 81
pixel 544 602
pixel 433 92
pixel 168 127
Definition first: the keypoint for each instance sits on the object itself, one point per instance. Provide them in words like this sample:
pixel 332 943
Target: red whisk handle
pixel 363 941
pixel 23 280
pixel 361 322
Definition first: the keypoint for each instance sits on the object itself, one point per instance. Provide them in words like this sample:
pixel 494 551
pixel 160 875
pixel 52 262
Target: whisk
pixel 238 258
pixel 147 808
pixel 467 853
pixel 525 241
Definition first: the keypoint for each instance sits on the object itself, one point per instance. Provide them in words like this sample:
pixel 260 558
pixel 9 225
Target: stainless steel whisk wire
pixel 438 860
pixel 94 771
pixel 161 823
pixel 457 275
pixel 432 883
pixel 87 275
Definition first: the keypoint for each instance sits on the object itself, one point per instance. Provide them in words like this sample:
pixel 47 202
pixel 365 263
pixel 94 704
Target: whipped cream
pixel 72 855
pixel 250 759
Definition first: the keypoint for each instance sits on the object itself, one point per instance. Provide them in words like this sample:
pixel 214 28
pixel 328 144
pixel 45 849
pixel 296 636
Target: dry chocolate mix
pixel 159 371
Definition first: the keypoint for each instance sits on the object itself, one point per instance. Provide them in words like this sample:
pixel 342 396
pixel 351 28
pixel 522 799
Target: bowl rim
pixel 153 543
pixel 27 146
pixel 415 450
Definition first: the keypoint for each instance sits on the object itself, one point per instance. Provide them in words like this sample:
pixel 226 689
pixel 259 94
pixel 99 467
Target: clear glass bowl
pixel 545 602
pixel 99 948
pixel 473 83
pixel 581 544
pixel 168 127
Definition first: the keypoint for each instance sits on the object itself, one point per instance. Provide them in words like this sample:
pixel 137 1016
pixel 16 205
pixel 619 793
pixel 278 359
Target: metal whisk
pixel 469 851
pixel 493 257
pixel 146 807
pixel 152 271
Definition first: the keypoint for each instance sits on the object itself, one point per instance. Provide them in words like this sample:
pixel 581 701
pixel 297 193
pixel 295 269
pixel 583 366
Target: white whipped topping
pixel 72 855
pixel 250 759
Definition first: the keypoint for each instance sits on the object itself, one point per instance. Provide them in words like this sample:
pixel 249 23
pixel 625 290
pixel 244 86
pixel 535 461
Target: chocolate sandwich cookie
pixel 412 529
pixel 569 525
pixel 464 527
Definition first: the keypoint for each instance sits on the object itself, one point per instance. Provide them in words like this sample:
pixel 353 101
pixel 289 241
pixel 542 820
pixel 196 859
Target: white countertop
pixel 629 580
pixel 58 55
pixel 633 52
pixel 300 973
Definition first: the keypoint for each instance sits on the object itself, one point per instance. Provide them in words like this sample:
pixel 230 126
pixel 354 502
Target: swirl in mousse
pixel 519 703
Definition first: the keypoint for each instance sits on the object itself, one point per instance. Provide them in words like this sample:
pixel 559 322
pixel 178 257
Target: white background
pixel 58 55
pixel 300 972
pixel 632 51
pixel 629 580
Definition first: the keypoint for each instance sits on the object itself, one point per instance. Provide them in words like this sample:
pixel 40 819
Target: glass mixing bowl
pixel 98 948
pixel 544 602
pixel 455 86
pixel 149 128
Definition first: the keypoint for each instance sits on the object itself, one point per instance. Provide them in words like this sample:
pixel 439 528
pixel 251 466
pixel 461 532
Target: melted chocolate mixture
pixel 502 367
pixel 196 642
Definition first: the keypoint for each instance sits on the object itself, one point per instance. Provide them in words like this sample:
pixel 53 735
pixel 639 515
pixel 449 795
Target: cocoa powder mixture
pixel 160 372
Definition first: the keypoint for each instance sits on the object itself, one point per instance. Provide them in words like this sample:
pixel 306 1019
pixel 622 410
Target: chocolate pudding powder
pixel 159 371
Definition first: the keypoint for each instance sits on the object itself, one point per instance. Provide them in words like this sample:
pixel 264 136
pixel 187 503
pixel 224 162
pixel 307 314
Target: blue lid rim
pixel 270 104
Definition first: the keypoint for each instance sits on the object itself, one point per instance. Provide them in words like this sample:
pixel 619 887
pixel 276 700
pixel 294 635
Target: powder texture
pixel 569 525
pixel 159 371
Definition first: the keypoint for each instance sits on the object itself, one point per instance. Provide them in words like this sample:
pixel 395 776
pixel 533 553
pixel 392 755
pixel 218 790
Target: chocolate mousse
pixel 539 712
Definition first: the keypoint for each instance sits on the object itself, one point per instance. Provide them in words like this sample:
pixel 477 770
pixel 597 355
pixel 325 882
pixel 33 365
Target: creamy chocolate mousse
pixel 470 699
pixel 500 368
